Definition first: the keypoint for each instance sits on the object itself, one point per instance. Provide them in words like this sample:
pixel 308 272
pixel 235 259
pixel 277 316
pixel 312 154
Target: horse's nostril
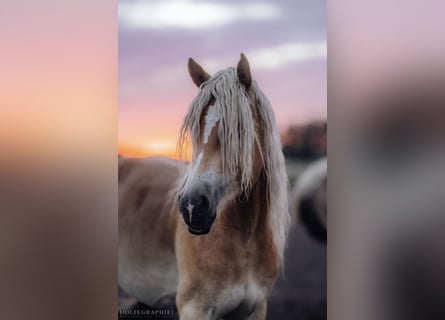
pixel 201 206
pixel 182 203
pixel 204 202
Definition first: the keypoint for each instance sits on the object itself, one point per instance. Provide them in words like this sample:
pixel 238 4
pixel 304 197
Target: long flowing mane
pixel 238 135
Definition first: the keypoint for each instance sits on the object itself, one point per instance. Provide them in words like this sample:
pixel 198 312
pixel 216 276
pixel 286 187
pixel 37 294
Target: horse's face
pixel 206 188
pixel 204 185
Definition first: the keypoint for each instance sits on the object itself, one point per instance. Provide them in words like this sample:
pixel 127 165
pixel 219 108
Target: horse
pixel 309 199
pixel 211 232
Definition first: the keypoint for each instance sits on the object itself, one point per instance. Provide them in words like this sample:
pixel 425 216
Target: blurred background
pixel 386 160
pixel 285 43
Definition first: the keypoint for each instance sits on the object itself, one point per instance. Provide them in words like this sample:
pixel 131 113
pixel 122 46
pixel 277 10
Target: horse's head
pixel 223 126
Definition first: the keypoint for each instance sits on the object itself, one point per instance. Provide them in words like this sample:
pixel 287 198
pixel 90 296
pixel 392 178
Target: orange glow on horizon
pixel 158 148
pixel 135 151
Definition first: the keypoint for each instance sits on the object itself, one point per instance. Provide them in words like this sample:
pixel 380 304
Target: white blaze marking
pixel 193 171
pixel 210 120
pixel 197 162
pixel 190 210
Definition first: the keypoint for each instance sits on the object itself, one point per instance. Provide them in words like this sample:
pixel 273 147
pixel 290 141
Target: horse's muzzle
pixel 199 230
pixel 197 212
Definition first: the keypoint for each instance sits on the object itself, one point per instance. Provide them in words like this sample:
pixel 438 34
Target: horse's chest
pixel 241 297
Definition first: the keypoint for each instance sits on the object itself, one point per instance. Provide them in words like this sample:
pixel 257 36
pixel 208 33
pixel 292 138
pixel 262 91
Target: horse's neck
pixel 249 218
pixel 246 224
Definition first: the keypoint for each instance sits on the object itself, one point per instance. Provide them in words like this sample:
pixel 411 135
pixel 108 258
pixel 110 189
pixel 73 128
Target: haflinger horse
pixel 309 199
pixel 211 232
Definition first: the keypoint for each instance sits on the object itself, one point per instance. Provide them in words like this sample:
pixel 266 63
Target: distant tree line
pixel 305 142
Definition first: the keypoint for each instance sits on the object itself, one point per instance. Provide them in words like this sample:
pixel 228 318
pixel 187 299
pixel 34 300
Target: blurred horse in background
pixel 222 258
pixel 309 199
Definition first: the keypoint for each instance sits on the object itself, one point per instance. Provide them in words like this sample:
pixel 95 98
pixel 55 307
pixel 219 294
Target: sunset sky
pixel 285 42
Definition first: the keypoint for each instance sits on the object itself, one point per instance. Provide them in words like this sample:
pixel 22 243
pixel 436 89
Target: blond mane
pixel 238 136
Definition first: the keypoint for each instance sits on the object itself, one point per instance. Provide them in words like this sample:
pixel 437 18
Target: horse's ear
pixel 243 72
pixel 197 72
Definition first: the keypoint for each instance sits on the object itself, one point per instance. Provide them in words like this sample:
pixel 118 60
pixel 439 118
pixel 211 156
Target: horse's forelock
pixel 232 103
